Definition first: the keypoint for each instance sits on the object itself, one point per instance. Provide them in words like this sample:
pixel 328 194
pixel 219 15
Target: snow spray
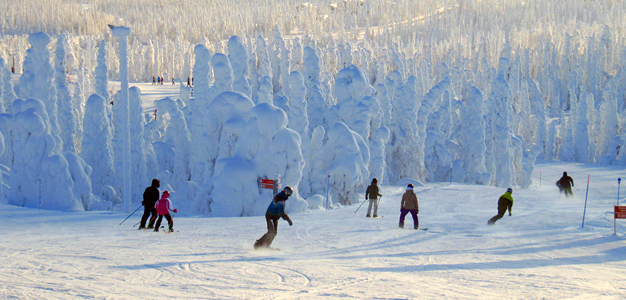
pixel 586 194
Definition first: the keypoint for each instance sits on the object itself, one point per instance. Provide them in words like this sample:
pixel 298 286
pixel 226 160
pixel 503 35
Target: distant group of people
pixel 159 80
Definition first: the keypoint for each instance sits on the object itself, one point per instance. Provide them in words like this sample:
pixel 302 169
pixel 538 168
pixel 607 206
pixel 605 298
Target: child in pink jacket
pixel 163 207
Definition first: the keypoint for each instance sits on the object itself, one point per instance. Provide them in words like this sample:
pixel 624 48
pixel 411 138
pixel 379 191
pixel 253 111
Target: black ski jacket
pixel 150 196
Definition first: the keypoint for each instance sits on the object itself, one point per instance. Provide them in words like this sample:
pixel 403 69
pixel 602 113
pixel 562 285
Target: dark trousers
pixel 503 205
pixel 404 212
pixel 272 229
pixel 170 222
pixel 147 210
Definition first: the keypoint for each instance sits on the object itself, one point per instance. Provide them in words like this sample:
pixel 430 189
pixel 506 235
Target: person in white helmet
pixel 275 211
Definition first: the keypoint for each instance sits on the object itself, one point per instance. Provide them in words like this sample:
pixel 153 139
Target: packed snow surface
pixel 540 252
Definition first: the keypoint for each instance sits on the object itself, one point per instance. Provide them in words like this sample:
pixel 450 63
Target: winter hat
pixel 166 194
pixel 288 191
pixel 410 186
pixel 564 173
pixel 374 180
pixel 156 183
pixel 510 190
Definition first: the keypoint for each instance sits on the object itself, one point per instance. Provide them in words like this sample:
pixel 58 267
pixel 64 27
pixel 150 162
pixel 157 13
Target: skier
pixel 409 204
pixel 153 80
pixel 275 211
pixel 565 185
pixel 163 207
pixel 373 193
pixel 504 202
pixel 150 197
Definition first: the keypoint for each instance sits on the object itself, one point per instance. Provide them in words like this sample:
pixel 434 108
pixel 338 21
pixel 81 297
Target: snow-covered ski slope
pixel 541 252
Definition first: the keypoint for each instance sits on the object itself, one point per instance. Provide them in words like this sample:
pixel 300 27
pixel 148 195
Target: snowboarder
pixel 373 193
pixel 504 202
pixel 150 197
pixel 163 207
pixel 409 204
pixel 275 211
pixel 565 185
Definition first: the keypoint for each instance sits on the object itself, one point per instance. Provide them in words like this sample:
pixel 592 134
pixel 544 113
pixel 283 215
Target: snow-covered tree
pixel 37 82
pixel 8 93
pixel 228 113
pixel 68 113
pixel 102 72
pixel 200 119
pixel 346 157
pixel 97 146
pixel 500 103
pixel 177 129
pixel 473 139
pixel 238 57
pixel 266 149
pixel 581 137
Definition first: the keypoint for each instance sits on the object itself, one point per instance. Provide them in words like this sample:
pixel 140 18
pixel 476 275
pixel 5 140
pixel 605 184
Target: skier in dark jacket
pixel 275 211
pixel 372 194
pixel 565 185
pixel 504 202
pixel 150 197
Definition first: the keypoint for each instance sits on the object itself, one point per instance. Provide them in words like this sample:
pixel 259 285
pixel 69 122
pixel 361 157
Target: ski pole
pixel 359 206
pixel 587 194
pixel 136 223
pixel 132 213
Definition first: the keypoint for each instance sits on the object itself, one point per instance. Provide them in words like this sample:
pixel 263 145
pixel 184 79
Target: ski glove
pixel 290 222
pixel 175 210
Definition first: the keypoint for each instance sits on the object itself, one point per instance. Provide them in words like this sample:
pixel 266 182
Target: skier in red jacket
pixel 163 207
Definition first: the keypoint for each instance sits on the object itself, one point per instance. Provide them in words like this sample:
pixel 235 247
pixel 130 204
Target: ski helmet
pixel 510 190
pixel 288 190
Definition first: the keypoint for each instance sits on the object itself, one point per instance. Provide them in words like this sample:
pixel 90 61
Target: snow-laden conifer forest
pixel 461 99
pixel 323 96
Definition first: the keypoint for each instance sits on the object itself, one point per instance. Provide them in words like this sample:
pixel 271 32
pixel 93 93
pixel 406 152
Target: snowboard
pixel 257 246
pixel 420 228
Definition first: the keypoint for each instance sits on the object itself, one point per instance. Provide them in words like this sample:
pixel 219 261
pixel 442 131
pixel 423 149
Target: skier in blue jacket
pixel 275 211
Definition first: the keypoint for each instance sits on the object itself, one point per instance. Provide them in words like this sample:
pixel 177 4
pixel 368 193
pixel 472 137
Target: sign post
pixel 620 213
pixel 270 184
